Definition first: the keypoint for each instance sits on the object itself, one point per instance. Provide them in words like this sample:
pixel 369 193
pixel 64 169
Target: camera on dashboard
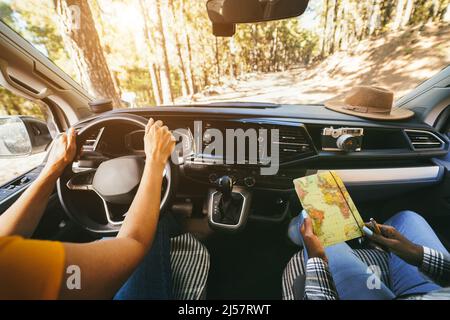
pixel 342 139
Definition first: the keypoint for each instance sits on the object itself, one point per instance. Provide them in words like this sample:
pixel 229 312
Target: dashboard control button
pixel 24 180
pixel 249 181
pixel 212 178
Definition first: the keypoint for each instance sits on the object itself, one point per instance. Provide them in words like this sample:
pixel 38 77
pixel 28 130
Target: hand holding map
pixel 329 205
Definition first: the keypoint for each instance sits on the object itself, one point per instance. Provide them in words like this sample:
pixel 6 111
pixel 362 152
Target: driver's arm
pixel 24 215
pixel 106 265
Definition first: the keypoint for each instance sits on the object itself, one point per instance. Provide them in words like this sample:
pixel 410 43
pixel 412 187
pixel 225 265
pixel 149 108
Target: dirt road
pixel 399 61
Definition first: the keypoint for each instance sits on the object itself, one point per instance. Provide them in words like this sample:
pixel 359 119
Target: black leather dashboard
pixel 385 146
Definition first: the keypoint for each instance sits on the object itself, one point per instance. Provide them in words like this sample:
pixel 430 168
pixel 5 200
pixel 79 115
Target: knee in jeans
pixel 407 216
pixel 337 249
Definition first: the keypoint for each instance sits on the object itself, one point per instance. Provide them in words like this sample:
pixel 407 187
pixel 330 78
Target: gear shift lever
pixel 225 186
pixel 229 205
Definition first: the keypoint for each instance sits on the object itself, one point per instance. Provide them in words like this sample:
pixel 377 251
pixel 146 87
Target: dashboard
pixel 300 144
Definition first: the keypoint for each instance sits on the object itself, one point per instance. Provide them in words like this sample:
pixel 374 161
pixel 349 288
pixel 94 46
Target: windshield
pixel 152 52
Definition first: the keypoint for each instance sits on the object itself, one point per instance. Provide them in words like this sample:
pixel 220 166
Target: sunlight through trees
pixel 149 52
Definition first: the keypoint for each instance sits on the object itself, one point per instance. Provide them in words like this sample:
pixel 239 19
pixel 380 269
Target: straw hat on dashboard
pixel 369 102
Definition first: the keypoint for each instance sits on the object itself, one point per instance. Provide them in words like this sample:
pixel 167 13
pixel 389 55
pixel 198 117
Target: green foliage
pixel 36 22
pixel 11 104
pixel 424 10
pixel 137 80
pixel 6 13
pixel 265 47
pixel 274 46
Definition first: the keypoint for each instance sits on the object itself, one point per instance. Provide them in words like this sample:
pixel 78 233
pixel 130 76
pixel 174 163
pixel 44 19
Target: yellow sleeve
pixel 30 269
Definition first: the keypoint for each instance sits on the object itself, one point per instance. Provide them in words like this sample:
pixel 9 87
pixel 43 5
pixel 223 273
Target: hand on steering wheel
pixel 61 153
pixel 159 143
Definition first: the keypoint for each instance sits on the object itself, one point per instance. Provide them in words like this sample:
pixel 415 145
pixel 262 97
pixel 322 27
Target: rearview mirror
pixel 22 136
pixel 230 12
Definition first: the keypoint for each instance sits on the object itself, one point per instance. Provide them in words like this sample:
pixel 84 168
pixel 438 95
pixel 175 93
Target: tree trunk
pixel 232 58
pixel 156 89
pixel 334 26
pixel 217 59
pixel 407 13
pixel 365 17
pixel 97 16
pixel 434 10
pixel 81 38
pixel 339 21
pixel 344 30
pixel 184 78
pixel 444 6
pixel 255 48
pixel 387 8
pixel 205 77
pixel 274 51
pixel 355 28
pixel 374 17
pixel 189 65
pixel 325 27
pixel 165 76
pixel 102 31
pixel 398 15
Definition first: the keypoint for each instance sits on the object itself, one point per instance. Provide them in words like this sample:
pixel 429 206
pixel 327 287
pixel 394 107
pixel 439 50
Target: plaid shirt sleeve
pixel 436 265
pixel 319 284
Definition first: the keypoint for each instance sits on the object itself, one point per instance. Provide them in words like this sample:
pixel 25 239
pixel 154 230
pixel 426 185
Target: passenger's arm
pixel 433 263
pixel 319 284
pixel 436 265
pixel 24 215
pixel 106 265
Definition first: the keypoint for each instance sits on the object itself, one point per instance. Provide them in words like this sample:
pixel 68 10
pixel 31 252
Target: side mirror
pixel 22 136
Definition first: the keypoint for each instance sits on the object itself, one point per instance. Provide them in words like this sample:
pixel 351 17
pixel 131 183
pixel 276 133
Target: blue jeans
pixel 152 280
pixel 351 275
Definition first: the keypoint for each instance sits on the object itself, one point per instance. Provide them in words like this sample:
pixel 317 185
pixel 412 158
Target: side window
pixel 24 135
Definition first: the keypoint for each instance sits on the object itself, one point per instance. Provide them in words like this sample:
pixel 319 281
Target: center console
pixel 229 205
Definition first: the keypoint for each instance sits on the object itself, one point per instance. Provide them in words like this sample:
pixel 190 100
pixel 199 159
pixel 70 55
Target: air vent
pixel 421 140
pixel 293 143
pixel 93 140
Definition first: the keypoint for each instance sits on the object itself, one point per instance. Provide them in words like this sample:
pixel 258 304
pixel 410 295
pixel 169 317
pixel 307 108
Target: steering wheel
pixel 114 182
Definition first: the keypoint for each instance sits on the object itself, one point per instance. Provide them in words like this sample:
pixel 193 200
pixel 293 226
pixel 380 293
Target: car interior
pixel 240 215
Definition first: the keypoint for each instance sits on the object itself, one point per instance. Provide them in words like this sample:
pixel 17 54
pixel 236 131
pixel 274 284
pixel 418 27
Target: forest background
pixel 153 52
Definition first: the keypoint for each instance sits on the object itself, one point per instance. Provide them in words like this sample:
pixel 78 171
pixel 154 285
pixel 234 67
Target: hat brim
pixel 396 113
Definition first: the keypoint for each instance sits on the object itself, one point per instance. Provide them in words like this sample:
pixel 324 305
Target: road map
pixel 326 200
